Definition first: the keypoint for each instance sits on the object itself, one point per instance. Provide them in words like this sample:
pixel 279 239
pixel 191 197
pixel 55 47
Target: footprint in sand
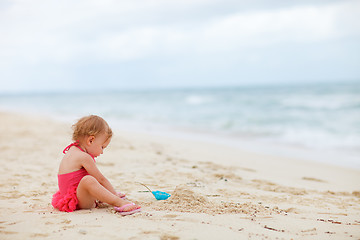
pixel 273 187
pixel 7 232
pixel 36 235
pixel 164 236
pixel 170 216
pixel 313 179
pixel 226 176
pixel 169 237
pixel 248 169
pixel 150 232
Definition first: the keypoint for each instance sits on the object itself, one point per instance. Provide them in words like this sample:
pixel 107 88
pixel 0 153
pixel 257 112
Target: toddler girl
pixel 81 183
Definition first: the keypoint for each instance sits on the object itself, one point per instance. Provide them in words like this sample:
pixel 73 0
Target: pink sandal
pixel 124 213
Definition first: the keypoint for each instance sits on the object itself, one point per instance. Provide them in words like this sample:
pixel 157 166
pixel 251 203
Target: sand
pixel 218 192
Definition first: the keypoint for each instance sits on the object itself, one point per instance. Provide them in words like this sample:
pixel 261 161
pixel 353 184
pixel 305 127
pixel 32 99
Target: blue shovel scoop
pixel 158 194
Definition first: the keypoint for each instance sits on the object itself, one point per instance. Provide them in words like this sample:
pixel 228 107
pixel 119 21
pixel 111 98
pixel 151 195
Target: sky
pixel 68 45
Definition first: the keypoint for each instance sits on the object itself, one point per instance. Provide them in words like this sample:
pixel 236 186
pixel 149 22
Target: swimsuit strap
pixel 76 144
pixel 72 144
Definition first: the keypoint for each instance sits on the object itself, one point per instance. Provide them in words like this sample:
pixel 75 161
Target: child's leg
pixel 89 190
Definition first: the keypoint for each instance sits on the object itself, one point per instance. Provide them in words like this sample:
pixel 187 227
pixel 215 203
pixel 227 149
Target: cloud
pixel 64 36
pixel 113 31
pixel 295 25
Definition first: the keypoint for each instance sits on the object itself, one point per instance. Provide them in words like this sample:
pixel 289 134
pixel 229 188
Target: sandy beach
pixel 218 192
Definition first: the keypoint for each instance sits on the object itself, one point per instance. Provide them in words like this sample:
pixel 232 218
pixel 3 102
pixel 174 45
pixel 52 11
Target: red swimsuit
pixel 65 199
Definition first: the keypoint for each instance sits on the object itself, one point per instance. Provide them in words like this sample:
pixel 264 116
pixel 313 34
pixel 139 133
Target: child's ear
pixel 90 140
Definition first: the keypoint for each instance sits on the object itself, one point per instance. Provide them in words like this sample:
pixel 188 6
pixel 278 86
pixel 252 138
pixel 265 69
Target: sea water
pixel 322 118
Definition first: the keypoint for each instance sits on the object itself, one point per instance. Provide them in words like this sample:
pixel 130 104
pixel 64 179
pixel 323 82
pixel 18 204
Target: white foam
pixel 198 99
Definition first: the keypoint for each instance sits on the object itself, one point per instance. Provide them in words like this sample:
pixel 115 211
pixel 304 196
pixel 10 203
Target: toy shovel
pixel 158 194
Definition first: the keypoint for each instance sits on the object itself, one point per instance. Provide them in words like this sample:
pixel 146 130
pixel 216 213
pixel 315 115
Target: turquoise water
pixel 318 116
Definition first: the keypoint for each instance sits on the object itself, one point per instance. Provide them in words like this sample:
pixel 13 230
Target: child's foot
pixel 128 209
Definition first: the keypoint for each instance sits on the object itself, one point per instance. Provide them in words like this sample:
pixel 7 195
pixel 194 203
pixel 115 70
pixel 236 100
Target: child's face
pixel 98 144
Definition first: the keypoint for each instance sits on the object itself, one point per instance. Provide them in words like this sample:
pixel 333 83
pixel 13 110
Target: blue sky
pixel 91 45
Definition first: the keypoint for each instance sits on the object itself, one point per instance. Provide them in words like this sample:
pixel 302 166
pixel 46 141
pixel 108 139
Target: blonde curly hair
pixel 91 125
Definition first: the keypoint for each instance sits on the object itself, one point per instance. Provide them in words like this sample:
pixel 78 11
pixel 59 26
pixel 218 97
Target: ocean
pixel 319 122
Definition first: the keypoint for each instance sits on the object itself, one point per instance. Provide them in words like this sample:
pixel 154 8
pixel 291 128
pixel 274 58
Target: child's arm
pixel 88 163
